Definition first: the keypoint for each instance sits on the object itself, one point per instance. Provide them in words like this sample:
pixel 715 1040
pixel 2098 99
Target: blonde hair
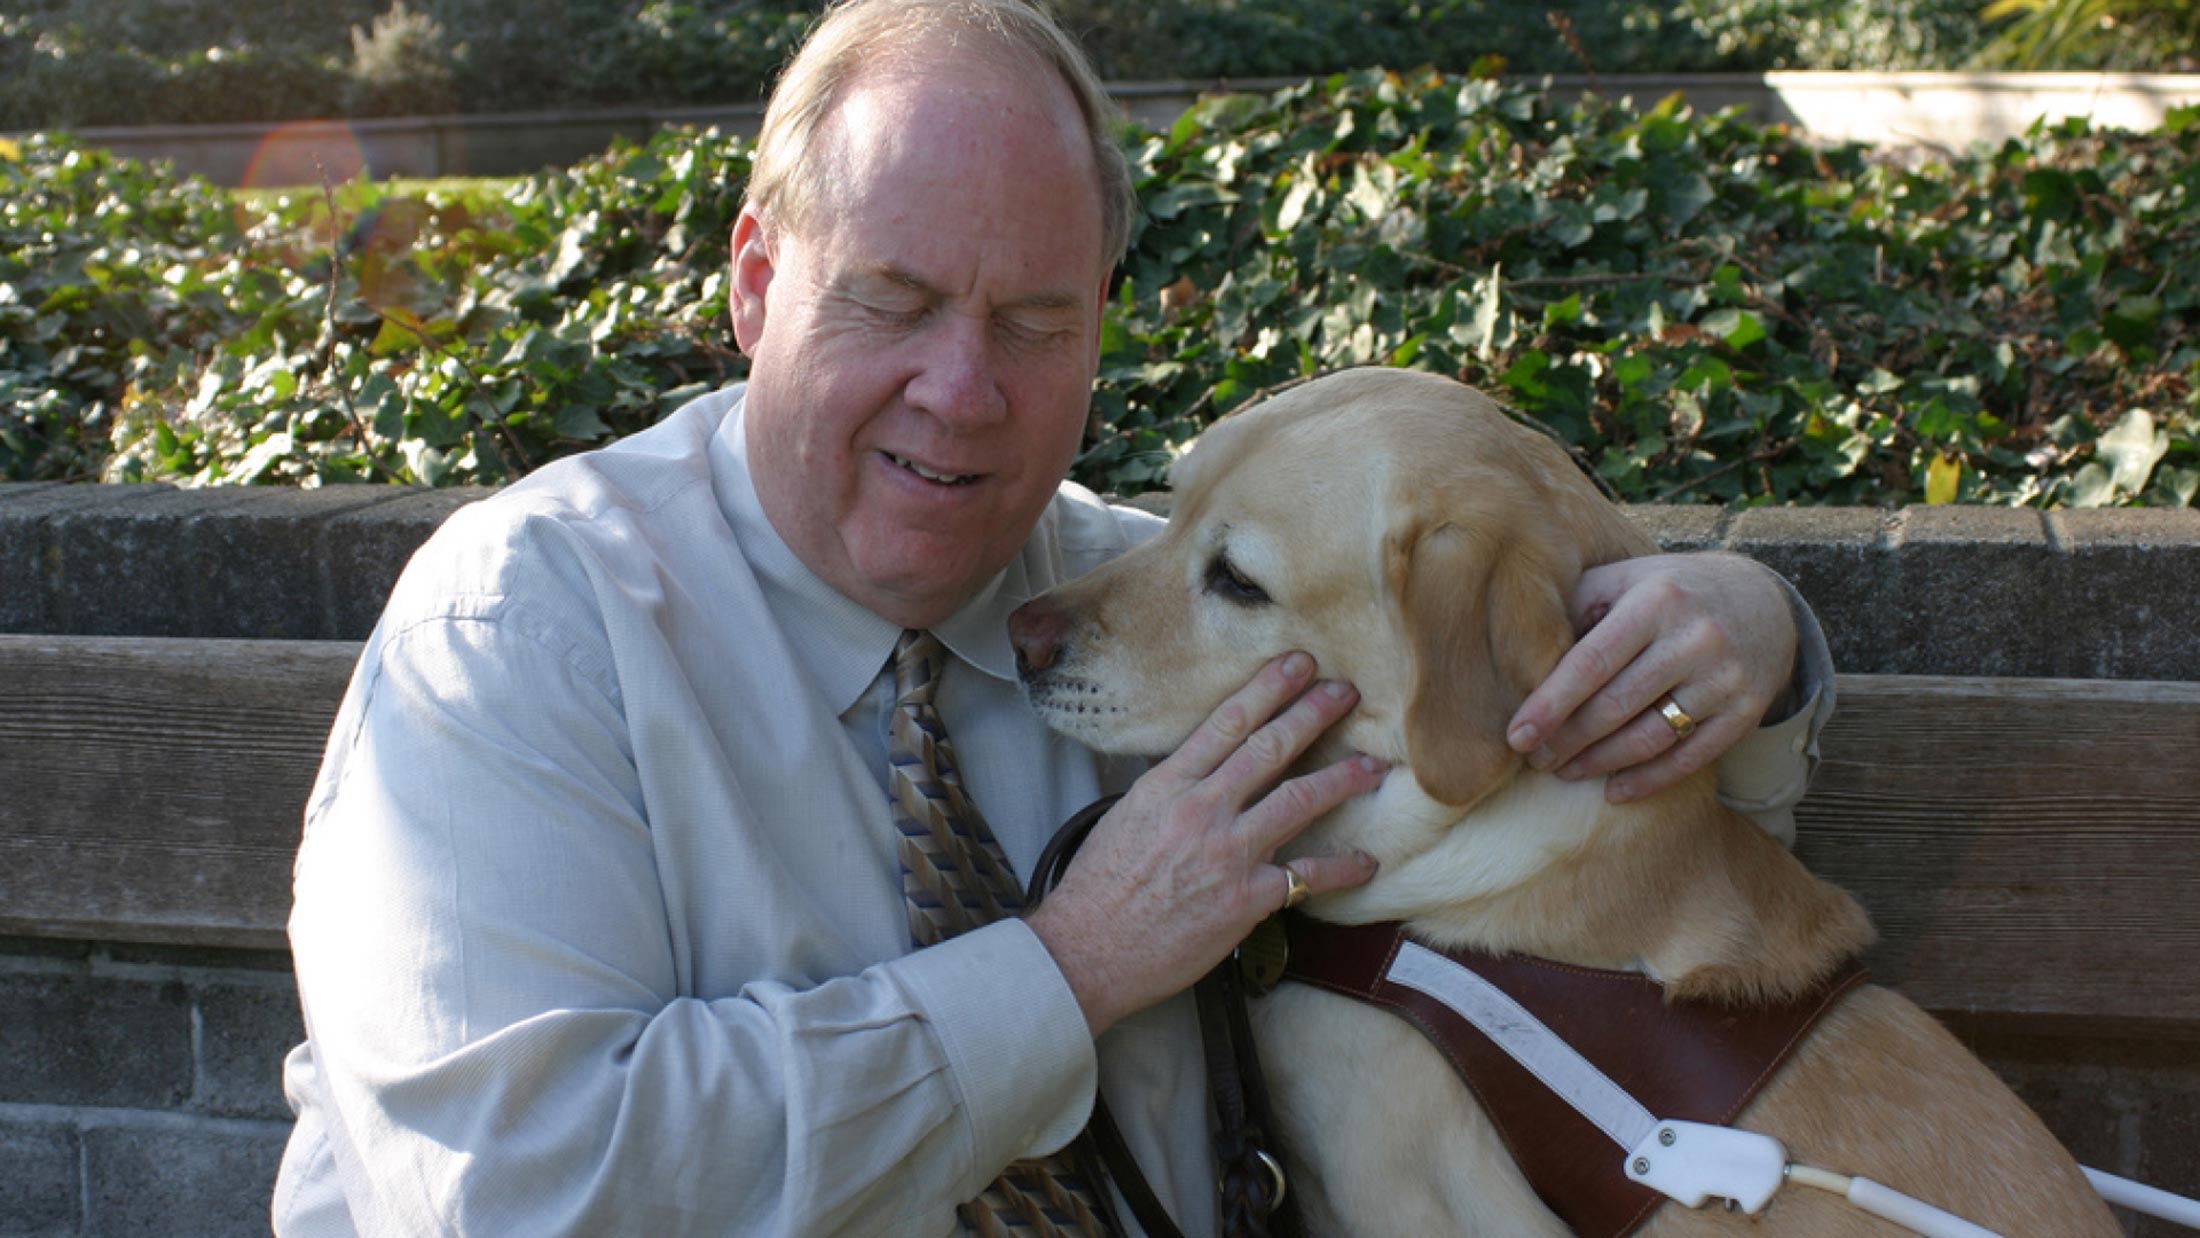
pixel 784 178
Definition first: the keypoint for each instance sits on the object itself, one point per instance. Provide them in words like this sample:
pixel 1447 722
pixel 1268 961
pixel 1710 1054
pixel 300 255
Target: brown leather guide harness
pixel 1687 1060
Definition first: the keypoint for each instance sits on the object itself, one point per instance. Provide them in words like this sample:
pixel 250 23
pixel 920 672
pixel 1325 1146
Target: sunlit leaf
pixel 2131 450
pixel 1942 477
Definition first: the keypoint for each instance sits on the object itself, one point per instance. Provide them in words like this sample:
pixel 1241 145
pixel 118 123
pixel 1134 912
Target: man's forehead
pixel 940 87
pixel 917 174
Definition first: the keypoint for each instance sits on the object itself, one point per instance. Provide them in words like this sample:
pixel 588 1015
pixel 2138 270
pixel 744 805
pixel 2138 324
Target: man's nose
pixel 1036 629
pixel 958 382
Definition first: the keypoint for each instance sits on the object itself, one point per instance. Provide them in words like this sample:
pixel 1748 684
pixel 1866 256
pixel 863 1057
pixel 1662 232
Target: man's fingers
pixel 1607 713
pixel 1237 719
pixel 1599 589
pixel 1268 751
pixel 1626 718
pixel 1593 661
pixel 1295 804
pixel 1685 758
pixel 1323 874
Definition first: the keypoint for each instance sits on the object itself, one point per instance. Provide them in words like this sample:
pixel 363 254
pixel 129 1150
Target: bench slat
pixel 2030 849
pixel 151 789
pixel 2027 847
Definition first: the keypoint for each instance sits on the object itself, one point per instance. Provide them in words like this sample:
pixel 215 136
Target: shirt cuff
pixel 1016 1040
pixel 1764 775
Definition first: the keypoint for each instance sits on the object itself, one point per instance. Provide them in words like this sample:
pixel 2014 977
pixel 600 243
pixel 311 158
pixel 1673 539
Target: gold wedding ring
pixel 1676 717
pixel 1294 891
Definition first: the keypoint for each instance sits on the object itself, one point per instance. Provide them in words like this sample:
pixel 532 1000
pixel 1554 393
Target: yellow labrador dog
pixel 1401 529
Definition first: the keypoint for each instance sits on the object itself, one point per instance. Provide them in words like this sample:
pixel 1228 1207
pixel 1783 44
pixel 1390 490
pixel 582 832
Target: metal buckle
pixel 1275 1175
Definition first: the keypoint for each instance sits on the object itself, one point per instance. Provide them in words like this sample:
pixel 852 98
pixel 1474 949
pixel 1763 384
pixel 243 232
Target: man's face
pixel 922 349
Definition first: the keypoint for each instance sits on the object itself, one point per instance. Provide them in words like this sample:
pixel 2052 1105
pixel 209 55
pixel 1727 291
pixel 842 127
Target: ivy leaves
pixel 1711 310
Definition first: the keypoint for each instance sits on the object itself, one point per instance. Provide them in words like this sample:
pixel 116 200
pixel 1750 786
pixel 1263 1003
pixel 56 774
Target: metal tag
pixel 1262 955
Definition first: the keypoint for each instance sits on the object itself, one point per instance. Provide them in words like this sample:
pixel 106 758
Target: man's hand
pixel 1180 870
pixel 1712 631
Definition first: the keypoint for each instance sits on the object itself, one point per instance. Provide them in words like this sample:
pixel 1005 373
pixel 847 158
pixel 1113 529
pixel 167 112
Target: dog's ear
pixel 1485 615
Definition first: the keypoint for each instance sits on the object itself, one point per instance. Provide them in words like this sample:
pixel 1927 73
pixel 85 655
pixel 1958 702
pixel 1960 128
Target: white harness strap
pixel 1527 1040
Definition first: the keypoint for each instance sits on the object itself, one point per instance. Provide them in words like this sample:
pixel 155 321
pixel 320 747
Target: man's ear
pixel 1485 616
pixel 753 266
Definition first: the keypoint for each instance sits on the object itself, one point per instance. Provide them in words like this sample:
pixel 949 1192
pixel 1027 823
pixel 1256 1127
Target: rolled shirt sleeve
pixel 1765 775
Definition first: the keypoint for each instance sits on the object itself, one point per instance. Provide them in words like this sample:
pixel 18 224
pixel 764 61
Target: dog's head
pixel 1395 525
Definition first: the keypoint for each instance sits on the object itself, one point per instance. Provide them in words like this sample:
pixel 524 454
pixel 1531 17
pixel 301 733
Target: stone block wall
pixel 140 1087
pixel 153 560
pixel 1918 591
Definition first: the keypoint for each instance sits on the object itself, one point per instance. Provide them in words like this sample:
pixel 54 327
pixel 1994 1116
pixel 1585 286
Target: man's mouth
pixel 945 479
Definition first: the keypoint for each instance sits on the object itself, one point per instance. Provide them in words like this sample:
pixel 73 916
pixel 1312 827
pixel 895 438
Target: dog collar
pixel 1567 1061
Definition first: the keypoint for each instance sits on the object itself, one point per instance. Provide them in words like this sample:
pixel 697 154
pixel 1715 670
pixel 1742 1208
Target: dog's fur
pixel 1420 545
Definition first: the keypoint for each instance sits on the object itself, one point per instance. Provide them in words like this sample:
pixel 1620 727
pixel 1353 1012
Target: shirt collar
pixel 841 645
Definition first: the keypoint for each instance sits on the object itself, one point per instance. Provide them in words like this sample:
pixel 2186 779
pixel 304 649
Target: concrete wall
pixel 139 1086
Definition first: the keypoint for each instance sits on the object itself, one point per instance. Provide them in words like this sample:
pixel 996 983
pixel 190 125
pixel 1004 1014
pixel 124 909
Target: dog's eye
pixel 1226 581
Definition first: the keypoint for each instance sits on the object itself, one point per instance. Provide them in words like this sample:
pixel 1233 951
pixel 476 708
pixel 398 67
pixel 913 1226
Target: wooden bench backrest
pixel 2030 849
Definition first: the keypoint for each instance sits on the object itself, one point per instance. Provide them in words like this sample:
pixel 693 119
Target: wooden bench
pixel 2030 849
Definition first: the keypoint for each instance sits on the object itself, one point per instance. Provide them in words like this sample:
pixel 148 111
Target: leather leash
pixel 1254 1201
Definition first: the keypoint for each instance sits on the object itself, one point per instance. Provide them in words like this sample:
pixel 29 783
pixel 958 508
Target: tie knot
pixel 918 658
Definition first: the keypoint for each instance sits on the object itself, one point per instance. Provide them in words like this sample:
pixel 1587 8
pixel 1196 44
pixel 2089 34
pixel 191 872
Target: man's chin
pixel 919 582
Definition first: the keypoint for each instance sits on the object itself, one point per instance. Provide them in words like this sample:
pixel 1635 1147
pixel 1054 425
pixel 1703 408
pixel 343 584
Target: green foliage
pixel 1709 310
pixel 1878 35
pixel 1149 39
pixel 2093 34
pixel 403 62
pixel 445 342
pixel 79 63
pixel 113 279
pixel 76 63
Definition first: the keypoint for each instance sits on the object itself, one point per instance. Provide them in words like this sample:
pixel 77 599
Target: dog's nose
pixel 1036 629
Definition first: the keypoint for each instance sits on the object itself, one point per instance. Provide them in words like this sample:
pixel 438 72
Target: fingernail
pixel 1618 791
pixel 1298 665
pixel 1573 771
pixel 1524 737
pixel 1336 689
pixel 1541 758
pixel 1373 765
pixel 1367 861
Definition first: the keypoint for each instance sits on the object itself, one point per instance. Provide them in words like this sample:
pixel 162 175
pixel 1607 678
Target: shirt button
pixel 1801 742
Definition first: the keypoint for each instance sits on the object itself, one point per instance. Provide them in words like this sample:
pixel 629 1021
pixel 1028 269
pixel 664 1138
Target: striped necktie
pixel 955 877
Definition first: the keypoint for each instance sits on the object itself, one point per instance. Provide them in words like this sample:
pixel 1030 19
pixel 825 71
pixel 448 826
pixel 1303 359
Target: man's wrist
pixel 1084 966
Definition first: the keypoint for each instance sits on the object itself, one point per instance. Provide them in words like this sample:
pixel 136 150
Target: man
pixel 600 923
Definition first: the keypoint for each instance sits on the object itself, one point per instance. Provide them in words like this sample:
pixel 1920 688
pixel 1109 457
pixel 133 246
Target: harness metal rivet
pixel 1666 1137
pixel 1642 1165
